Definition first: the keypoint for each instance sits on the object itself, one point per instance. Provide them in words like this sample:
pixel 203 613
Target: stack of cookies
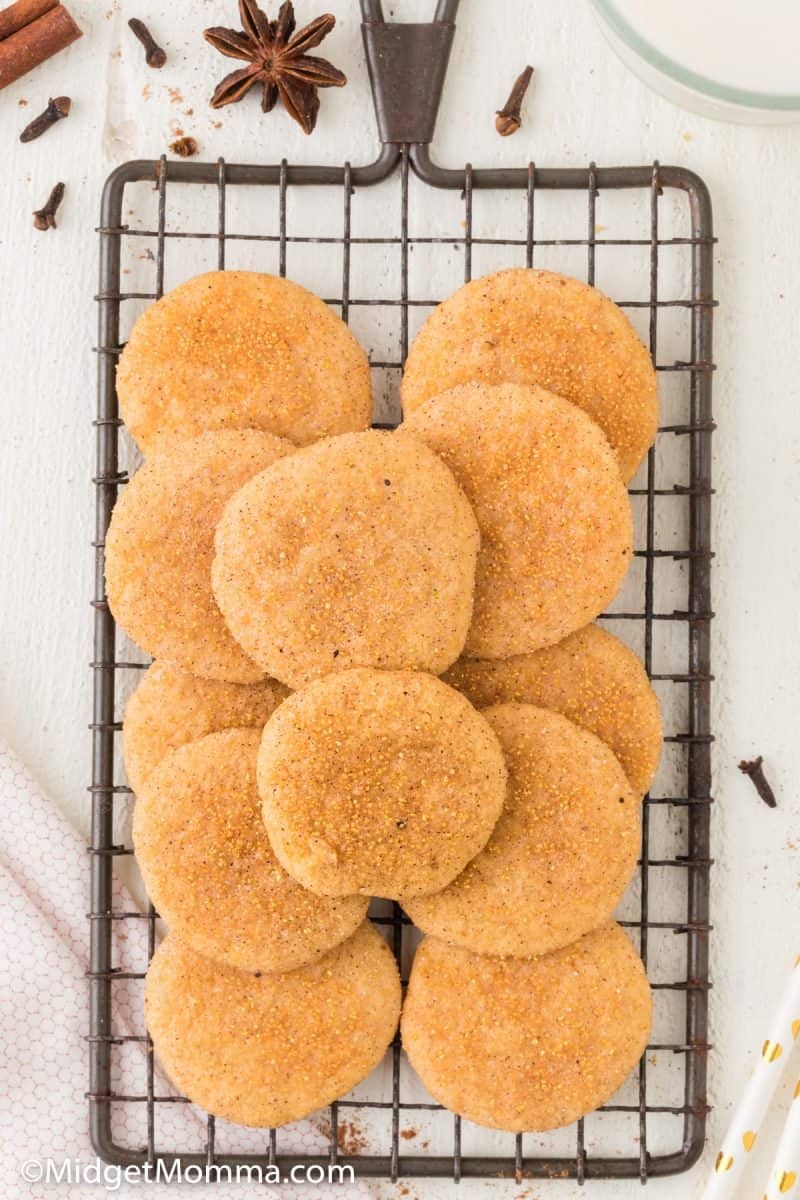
pixel 376 675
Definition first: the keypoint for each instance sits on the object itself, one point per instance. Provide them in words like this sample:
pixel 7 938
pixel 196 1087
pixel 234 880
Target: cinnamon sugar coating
pixel 562 853
pixel 241 350
pixel 591 677
pixel 211 872
pixel 554 515
pixel 537 327
pixel 159 548
pixel 266 1050
pixel 384 783
pixel 527 1044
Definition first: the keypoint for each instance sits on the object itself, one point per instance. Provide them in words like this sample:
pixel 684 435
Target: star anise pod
pixel 277 59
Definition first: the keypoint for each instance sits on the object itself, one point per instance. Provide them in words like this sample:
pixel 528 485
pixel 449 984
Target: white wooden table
pixel 583 105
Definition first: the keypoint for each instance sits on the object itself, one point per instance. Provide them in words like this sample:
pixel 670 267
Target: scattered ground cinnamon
pixel 351 1138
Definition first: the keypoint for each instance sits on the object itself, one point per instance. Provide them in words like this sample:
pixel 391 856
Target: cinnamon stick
pixel 18 15
pixel 26 46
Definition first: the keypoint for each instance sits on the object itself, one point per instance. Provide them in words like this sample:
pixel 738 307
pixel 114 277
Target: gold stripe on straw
pixel 733 1154
pixel 783 1178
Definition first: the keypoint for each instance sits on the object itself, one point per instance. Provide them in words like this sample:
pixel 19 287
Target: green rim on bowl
pixel 779 101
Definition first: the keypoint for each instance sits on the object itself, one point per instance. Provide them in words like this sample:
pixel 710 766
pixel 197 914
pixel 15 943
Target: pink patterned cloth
pixel 44 1017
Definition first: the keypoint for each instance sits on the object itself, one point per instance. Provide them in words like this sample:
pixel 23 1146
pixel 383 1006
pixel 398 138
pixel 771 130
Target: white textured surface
pixel 583 105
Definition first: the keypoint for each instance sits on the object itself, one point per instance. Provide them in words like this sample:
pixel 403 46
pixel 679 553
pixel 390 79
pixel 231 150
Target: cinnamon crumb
pixel 351 1137
pixel 184 147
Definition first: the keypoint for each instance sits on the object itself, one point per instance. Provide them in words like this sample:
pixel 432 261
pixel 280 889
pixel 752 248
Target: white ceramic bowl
pixel 733 60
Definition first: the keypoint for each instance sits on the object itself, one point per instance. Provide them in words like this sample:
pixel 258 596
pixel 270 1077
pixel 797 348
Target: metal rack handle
pixel 401 52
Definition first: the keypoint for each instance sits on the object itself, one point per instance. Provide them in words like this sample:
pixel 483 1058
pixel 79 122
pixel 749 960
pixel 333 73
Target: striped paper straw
pixel 750 1111
pixel 786 1168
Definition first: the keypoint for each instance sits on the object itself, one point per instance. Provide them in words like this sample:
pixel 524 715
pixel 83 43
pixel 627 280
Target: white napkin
pixel 44 1017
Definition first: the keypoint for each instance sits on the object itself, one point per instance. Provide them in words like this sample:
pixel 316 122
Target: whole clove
pixel 45 218
pixel 755 770
pixel 56 110
pixel 154 56
pixel 509 117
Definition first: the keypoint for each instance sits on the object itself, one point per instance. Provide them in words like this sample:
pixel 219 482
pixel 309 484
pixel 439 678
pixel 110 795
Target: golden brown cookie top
pixel 241 350
pixel 210 871
pixel 527 1044
pixel 269 1049
pixel 358 551
pixel 384 783
pixel 591 677
pixel 160 545
pixel 537 327
pixel 171 707
pixel 562 853
pixel 553 512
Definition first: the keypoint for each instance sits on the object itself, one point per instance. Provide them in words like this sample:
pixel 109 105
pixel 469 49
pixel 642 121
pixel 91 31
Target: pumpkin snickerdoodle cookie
pixel 357 551
pixel 554 516
pixel 240 350
pixel 210 870
pixel 592 678
pixel 263 1050
pixel 527 1044
pixel 171 707
pixel 159 548
pixel 562 853
pixel 384 783
pixel 538 327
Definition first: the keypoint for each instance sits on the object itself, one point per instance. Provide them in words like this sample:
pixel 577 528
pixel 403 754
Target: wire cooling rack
pixel 383 248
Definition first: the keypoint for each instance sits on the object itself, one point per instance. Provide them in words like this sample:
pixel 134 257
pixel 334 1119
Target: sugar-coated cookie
pixel 240 350
pixel 384 783
pixel 160 545
pixel 562 853
pixel 591 677
pixel 537 327
pixel 553 512
pixel 527 1044
pixel 171 707
pixel 209 868
pixel 264 1050
pixel 357 551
